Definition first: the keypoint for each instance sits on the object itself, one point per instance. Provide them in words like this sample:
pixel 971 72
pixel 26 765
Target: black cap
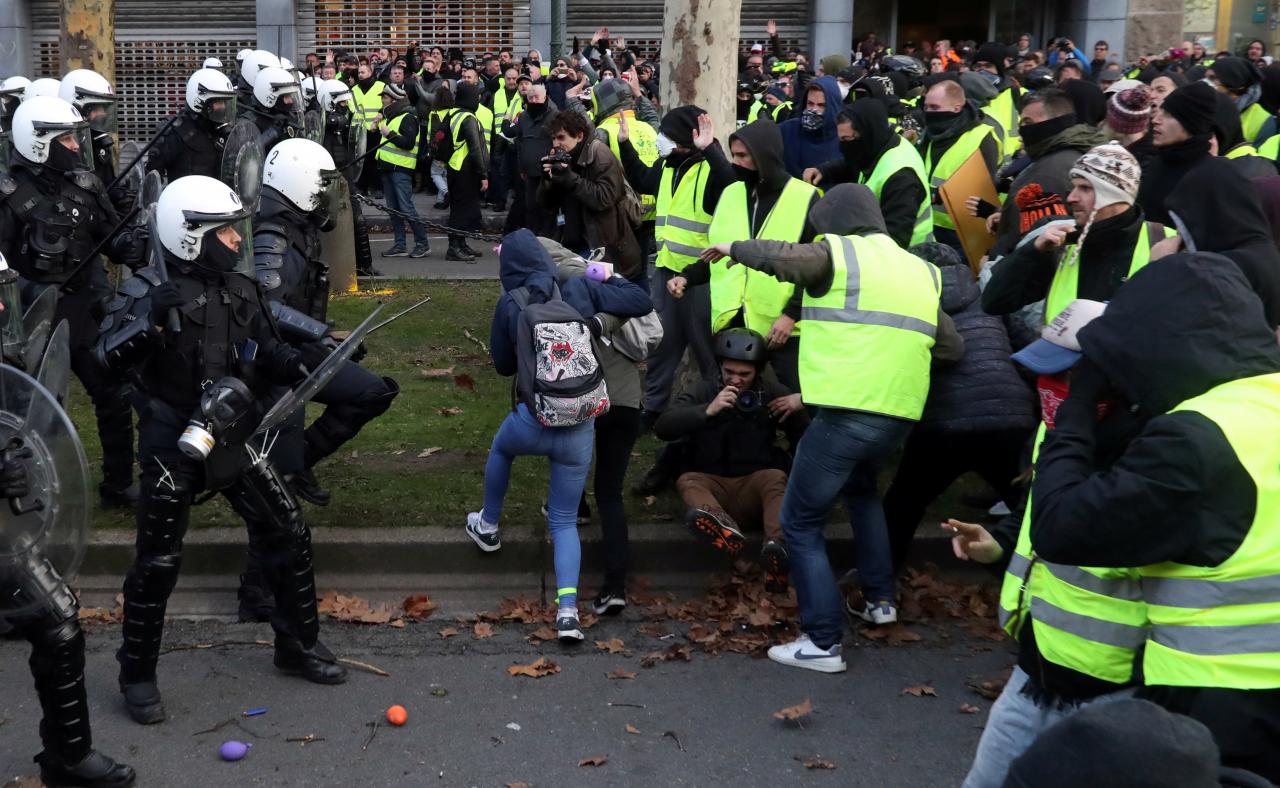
pixel 1194 107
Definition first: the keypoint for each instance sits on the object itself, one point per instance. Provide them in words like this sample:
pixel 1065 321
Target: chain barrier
pixel 430 225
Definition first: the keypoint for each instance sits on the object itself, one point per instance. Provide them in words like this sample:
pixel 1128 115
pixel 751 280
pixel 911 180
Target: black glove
pixel 13 473
pixel 164 297
pixel 130 247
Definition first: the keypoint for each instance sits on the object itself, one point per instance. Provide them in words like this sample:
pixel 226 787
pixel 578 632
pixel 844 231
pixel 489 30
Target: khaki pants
pixel 755 498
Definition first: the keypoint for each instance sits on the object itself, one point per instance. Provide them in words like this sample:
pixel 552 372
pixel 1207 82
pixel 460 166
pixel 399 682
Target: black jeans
pixel 932 460
pixel 616 433
pixel 464 199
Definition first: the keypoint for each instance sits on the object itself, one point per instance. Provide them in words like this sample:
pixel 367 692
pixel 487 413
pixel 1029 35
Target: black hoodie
pixel 467 97
pixel 676 124
pixel 902 193
pixel 1178 492
pixel 1222 212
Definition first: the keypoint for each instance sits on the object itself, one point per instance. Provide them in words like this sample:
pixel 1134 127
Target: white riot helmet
pixel 211 94
pixel 241 55
pixel 11 92
pixel 91 93
pixel 332 93
pixel 190 216
pixel 45 86
pixel 286 64
pixel 49 131
pixel 304 173
pixel 311 88
pixel 275 85
pixel 212 62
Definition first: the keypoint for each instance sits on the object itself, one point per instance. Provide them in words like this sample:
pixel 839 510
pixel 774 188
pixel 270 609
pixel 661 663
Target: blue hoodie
pixel 524 262
pixel 803 149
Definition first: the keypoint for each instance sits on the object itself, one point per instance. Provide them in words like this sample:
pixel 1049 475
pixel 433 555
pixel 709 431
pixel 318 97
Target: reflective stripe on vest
pixel 485 116
pixel 459 155
pixel 1219 626
pixel 367 105
pixel 759 297
pixel 1251 121
pixel 680 225
pixel 1005 111
pixel 645 141
pixel 867 339
pixel 904 156
pixel 1271 148
pixel 1091 620
pixel 394 154
pixel 785 105
pixel 1066 281
pixel 956 155
pixel 1240 151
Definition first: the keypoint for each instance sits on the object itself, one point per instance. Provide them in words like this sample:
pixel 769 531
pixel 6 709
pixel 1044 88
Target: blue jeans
pixel 397 190
pixel 569 450
pixel 840 453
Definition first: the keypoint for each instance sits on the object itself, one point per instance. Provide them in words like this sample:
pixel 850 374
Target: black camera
pixel 1062 44
pixel 749 401
pixel 559 160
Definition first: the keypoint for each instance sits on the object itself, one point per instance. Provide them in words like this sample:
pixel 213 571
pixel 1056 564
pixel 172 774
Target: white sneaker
pixel 488 541
pixel 567 627
pixel 801 653
pixel 882 612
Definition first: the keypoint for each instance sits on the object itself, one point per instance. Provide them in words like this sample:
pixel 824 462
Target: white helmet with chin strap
pixel 205 88
pixel 87 90
pixel 274 83
pixel 45 86
pixel 331 92
pixel 304 173
pixel 212 62
pixel 14 87
pixel 191 209
pixel 39 122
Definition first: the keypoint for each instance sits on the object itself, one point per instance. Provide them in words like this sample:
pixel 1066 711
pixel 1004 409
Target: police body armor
pixel 191 147
pixel 286 250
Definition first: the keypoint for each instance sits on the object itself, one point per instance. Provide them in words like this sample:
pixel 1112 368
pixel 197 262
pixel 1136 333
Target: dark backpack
pixel 440 144
pixel 558 376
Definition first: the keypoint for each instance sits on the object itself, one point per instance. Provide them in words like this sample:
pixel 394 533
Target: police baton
pixel 120 175
pixel 366 155
pixel 100 245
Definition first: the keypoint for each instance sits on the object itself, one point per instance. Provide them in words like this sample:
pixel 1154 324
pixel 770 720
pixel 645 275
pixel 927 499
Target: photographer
pixel 1065 49
pixel 736 470
pixel 584 180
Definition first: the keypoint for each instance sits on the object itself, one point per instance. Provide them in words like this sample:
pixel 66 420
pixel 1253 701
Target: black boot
pixel 455 251
pixel 316 664
pixel 118 497
pixel 94 770
pixel 307 487
pixel 143 702
pixel 467 249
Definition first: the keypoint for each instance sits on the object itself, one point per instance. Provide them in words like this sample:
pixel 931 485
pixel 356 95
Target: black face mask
pixel 749 177
pixel 536 109
pixel 939 122
pixel 63 160
pixel 1034 133
pixel 217 256
pixel 855 153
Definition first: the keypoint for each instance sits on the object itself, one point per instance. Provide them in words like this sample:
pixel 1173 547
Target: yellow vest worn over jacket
pixel 459 155
pixel 1066 281
pixel 680 224
pixel 759 297
pixel 867 339
pixel 942 169
pixel 394 154
pixel 366 105
pixel 644 139
pixel 1219 626
pixel 1251 121
pixel 1004 110
pixel 904 156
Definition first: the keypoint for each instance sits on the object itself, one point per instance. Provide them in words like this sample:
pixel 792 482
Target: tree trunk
pixel 700 58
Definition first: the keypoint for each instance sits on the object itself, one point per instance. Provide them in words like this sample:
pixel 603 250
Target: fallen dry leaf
pixel 448 411
pixel 991 688
pixel 595 760
pixel 921 691
pixel 621 673
pixel 537 669
pixel 352 608
pixel 397 623
pixel 438 372
pixel 447 632
pixel 482 630
pixel 796 712
pixel 816 762
pixel 428 452
pixel 418 607
pixel 633 729
pixel 649 500
pixel 969 708
pixel 464 381
pixel 613 646
pixel 542 633
pixel 894 634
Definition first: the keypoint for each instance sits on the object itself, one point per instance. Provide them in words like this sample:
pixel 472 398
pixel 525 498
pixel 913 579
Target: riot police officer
pixel 247 71
pixel 208 370
pixel 34 597
pixel 90 92
pixel 277 107
pixel 193 144
pixel 53 214
pixel 346 144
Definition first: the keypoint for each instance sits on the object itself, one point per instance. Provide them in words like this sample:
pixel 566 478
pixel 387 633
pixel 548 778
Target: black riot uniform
pixel 281 122
pixel 219 368
pixel 49 223
pixel 191 146
pixel 337 140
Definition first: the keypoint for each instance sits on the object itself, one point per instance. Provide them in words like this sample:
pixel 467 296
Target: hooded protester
pixel 1182 128
pixel 1053 139
pixel 1088 99
pixel 1220 211
pixel 1240 79
pixel 526 269
pixel 872 153
pixel 989 63
pixel 1228 142
pixel 1269 99
pixel 468 171
pixel 811 139
pixel 1189 365
pixel 1269 190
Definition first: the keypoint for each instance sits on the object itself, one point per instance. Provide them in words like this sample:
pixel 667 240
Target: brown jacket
pixel 592 191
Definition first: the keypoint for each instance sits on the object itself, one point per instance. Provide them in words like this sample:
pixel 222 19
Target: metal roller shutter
pixel 158 45
pixel 640 21
pixel 476 26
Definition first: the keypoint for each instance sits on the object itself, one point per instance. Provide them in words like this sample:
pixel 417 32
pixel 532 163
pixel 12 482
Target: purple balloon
pixel 233 750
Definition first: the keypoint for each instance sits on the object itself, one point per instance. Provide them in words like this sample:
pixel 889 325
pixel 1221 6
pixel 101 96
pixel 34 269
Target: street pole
pixel 700 58
pixel 557 29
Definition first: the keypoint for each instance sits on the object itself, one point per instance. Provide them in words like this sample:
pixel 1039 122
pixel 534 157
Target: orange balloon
pixel 396 715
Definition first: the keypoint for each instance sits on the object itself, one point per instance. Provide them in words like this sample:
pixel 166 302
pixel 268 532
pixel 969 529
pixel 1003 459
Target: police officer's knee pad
pixel 59 641
pixel 158 573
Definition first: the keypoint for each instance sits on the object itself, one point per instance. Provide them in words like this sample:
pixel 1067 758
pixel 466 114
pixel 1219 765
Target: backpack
pixel 440 143
pixel 639 336
pixel 558 376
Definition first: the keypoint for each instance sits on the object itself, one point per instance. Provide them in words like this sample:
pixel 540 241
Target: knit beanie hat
pixel 1235 73
pixel 393 91
pixel 1036 207
pixel 1193 106
pixel 992 53
pixel 1129 111
pixel 1112 171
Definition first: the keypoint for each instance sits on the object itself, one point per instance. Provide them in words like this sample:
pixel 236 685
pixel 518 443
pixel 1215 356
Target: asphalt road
pixel 433 266
pixel 470 723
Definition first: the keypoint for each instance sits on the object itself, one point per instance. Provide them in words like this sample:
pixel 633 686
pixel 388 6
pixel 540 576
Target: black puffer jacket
pixel 982 392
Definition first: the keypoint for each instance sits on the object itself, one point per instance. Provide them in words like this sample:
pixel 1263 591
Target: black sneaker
pixel 488 541
pixel 316 664
pixel 567 627
pixel 655 481
pixel 95 769
pixel 396 251
pixel 420 250
pixel 776 564
pixel 369 272
pixel 609 604
pixel 716 528
pixel 441 205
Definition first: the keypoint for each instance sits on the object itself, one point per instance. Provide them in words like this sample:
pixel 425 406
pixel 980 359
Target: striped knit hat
pixel 1129 111
pixel 1114 175
pixel 1035 206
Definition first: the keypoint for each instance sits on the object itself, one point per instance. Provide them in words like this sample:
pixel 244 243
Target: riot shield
pixel 357 147
pixel 338 246
pixel 242 162
pixel 54 372
pixel 313 120
pixel 43 533
pixel 37 324
pixel 319 377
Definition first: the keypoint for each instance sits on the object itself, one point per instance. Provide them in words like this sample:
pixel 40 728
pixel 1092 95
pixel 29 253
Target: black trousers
pixel 932 460
pixel 616 433
pixel 464 199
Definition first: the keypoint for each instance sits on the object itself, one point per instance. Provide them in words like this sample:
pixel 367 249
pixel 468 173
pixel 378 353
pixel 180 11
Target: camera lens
pixel 748 401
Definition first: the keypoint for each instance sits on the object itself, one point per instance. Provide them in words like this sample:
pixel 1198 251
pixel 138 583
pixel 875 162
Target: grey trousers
pixel 685 322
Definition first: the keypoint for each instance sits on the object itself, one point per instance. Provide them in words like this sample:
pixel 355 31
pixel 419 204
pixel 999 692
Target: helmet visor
pixel 218 106
pixel 228 245
pixel 70 146
pixel 99 109
pixel 328 195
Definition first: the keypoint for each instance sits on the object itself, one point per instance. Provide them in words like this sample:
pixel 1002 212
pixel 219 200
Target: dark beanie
pixel 992 53
pixel 1133 743
pixel 1226 123
pixel 1194 106
pixel 680 123
pixel 1235 73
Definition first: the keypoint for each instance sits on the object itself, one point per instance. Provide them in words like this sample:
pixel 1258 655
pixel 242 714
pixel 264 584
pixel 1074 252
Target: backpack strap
pixel 520 296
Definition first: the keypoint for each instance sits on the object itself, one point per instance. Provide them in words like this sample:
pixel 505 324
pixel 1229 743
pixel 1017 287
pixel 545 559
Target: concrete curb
pixel 663 547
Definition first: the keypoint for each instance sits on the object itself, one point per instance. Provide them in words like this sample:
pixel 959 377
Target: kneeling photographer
pixel 735 471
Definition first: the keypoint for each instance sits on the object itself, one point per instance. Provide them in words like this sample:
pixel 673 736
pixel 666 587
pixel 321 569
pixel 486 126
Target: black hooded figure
pixel 468 180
